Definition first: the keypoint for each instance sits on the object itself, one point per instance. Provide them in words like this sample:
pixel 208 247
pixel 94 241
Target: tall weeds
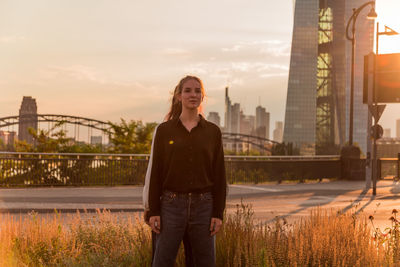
pixel 324 238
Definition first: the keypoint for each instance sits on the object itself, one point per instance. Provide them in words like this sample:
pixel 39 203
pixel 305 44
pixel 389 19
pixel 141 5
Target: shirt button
pixel 190 159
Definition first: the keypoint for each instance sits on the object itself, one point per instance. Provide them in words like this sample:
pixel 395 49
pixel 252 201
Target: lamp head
pixel 372 14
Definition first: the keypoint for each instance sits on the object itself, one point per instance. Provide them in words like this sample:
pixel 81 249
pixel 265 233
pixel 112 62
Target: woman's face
pixel 191 95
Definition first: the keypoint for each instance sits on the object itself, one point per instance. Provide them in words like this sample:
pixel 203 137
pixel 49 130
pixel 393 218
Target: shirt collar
pixel 202 121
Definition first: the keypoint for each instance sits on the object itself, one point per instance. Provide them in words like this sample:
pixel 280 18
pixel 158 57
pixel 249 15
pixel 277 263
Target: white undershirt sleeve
pixel 148 175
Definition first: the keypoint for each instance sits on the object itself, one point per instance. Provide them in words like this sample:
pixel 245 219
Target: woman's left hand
pixel 215 225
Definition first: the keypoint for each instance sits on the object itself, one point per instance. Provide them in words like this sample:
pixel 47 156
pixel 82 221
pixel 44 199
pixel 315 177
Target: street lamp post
pixel 371 15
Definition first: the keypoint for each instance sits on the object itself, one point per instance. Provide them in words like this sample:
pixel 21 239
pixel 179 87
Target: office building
pixel 232 115
pixel 96 140
pixel 386 133
pixel 278 131
pixel 27 119
pixel 247 124
pixel 262 122
pixel 7 138
pixel 235 118
pixel 214 118
pixel 318 97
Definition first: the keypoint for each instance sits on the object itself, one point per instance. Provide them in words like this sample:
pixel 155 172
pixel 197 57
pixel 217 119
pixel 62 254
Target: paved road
pixel 287 200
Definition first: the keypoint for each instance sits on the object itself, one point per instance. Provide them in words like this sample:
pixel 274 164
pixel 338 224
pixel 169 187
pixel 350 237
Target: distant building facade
pixel 232 115
pixel 96 140
pixel 278 131
pixel 318 96
pixel 235 118
pixel 262 122
pixel 7 138
pixel 247 124
pixel 214 118
pixel 236 122
pixel 227 115
pixel 398 128
pixel 27 119
pixel 386 133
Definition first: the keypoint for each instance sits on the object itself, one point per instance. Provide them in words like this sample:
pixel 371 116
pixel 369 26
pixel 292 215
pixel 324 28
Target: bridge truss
pixel 260 143
pixel 102 126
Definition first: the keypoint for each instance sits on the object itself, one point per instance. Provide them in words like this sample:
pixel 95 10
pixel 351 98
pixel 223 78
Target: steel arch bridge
pixel 57 118
pixel 259 142
pixel 92 123
pixel 256 141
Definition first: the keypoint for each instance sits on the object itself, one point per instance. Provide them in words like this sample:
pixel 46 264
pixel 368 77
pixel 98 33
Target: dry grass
pixel 324 238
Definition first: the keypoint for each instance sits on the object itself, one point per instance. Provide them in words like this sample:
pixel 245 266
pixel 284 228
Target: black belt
pixel 185 194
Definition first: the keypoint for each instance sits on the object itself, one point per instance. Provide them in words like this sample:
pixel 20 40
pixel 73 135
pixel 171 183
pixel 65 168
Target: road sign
pixel 376 111
pixel 387 79
pixel 376 131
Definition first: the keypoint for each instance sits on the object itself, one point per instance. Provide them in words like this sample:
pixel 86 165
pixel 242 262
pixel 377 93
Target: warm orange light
pixel 388 11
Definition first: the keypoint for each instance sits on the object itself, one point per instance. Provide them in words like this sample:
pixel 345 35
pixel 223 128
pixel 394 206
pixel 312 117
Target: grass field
pixel 324 238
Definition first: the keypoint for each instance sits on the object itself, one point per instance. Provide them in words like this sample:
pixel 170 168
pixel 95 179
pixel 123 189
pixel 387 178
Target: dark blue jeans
pixel 180 213
pixel 186 246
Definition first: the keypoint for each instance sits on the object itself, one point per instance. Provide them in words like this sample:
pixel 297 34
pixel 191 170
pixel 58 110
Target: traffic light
pixel 387 78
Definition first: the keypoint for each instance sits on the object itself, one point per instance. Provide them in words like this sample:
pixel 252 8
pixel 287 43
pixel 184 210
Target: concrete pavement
pixel 287 200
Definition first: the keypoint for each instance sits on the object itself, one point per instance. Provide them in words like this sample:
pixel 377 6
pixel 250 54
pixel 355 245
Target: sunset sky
pixel 116 59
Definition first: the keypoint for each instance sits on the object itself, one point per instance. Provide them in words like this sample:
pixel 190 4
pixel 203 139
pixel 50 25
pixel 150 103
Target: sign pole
pixel 374 159
pixel 369 163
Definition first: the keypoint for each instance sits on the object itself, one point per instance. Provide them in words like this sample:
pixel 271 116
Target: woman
pixel 187 185
pixel 186 243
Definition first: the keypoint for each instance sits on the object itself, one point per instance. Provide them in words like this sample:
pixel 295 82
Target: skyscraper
pixel 27 118
pixel 247 123
pixel 317 105
pixel 262 122
pixel 227 117
pixel 278 131
pixel 232 115
pixel 235 118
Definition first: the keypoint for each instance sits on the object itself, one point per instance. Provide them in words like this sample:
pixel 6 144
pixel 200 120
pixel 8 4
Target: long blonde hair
pixel 176 105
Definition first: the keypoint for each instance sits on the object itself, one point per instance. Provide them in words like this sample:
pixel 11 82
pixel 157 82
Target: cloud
pixel 276 48
pixel 235 48
pixel 235 67
pixel 279 51
pixel 176 52
pixel 75 72
pixel 11 39
pixel 270 75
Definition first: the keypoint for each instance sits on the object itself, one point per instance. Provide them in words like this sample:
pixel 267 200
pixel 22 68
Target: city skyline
pixel 125 58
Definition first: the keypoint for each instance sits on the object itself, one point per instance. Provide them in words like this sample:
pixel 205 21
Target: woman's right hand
pixel 155 224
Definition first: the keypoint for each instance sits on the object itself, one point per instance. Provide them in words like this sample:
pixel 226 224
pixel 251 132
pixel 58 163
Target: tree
pixel 131 137
pixel 284 149
pixel 2 145
pixel 46 141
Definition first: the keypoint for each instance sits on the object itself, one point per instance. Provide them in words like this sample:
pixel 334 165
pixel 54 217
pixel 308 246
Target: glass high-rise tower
pixel 317 105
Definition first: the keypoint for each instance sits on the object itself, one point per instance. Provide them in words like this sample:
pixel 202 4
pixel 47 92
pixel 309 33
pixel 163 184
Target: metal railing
pixel 77 169
pixel 388 167
pixel 35 169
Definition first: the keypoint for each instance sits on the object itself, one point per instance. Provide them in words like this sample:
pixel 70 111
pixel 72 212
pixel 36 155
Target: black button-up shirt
pixel 186 162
